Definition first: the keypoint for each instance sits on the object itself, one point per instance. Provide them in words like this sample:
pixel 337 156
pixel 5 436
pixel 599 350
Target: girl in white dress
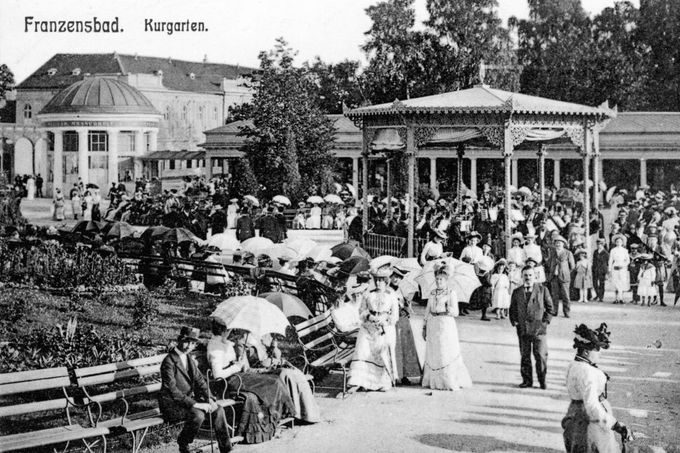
pixel 314 219
pixel 647 281
pixel 500 287
pixel 444 368
pixel 88 203
pixel 517 253
pixel 618 267
pixel 232 213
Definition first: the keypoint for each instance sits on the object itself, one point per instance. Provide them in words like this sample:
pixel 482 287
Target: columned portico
pixel 58 167
pixel 556 173
pixel 113 156
pixel 473 174
pixel 355 173
pixel 643 172
pixel 433 173
pixel 515 177
pixel 83 162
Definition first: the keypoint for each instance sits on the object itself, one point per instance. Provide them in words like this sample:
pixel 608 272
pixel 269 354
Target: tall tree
pixel 336 84
pixel 463 34
pixel 6 80
pixel 552 48
pixel 659 29
pixel 290 138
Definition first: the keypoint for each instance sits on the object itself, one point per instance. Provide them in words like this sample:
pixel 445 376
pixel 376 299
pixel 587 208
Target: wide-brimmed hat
pixel 559 238
pixel 441 268
pixel 517 236
pixel 302 204
pixel 485 264
pixel 601 241
pixel 531 260
pixel 383 272
pixel 620 236
pixel 502 261
pixel 233 200
pixel 440 234
pixel 357 288
pixel 590 339
pixel 580 252
pixel 188 333
pixel 474 234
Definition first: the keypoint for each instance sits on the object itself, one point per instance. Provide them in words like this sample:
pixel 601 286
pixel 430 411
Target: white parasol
pixel 462 278
pixel 254 314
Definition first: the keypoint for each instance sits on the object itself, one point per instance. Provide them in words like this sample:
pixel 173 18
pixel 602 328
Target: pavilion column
pixel 83 162
pixel 58 161
pixel 140 151
pixel 364 186
pixel 541 173
pixel 515 178
pixel 473 174
pixel 355 173
pixel 113 156
pixel 411 153
pixel 389 188
pixel 556 173
pixel 597 176
pixel 586 197
pixel 153 141
pixel 433 173
pixel 507 155
pixel 643 172
pixel 460 152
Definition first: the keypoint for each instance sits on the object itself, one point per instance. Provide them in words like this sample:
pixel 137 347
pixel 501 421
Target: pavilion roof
pixel 482 99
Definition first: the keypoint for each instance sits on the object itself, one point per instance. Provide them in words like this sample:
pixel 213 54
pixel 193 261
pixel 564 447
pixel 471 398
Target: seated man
pixel 184 394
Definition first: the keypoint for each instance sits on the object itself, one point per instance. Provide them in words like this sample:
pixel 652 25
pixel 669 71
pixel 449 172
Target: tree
pixel 245 182
pixel 463 34
pixel 290 138
pixel 6 80
pixel 336 84
pixel 240 112
pixel 659 29
pixel 552 49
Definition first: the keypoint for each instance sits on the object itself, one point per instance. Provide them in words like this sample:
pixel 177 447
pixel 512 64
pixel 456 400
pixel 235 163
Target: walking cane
pixel 210 421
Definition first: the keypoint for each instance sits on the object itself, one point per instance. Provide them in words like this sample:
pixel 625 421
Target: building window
pixel 97 141
pixel 189 163
pixel 70 140
pixel 166 115
pixel 215 114
pixel 184 113
pixel 126 142
pixel 28 112
pixel 98 162
pixel 50 141
pixel 147 141
pixel 171 164
pixel 200 115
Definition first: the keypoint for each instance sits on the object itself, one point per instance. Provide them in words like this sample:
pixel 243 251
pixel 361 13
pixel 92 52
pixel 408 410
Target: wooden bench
pixel 136 424
pixel 316 335
pixel 44 380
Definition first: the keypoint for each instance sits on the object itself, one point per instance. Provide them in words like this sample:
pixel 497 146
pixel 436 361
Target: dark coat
pixel 533 316
pixel 269 227
pixel 244 228
pixel 563 262
pixel 181 388
pixel 600 262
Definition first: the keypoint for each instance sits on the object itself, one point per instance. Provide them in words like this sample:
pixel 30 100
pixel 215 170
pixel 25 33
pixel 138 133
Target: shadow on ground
pixel 477 444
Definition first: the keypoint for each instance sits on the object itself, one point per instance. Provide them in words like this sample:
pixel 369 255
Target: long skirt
pixel 444 368
pixel 306 408
pixel 621 279
pixel 373 365
pixel 408 366
pixel 581 436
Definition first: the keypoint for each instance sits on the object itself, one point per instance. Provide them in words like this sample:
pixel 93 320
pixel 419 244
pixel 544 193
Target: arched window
pixel 28 112
pixel 200 114
pixel 184 113
pixel 166 115
pixel 215 114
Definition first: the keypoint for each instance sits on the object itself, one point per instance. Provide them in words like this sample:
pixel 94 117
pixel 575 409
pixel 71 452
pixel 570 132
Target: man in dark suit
pixel 600 268
pixel 184 394
pixel 530 313
pixel 244 226
pixel 558 273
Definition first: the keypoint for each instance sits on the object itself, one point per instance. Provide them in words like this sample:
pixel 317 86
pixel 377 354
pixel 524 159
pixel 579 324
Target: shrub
pixel 146 309
pixel 15 304
pixel 70 345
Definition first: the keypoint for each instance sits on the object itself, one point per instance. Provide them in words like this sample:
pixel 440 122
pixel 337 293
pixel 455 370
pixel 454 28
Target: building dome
pixel 100 95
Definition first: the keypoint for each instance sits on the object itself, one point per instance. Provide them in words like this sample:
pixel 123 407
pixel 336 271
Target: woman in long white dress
pixel 232 213
pixel 618 267
pixel 88 202
pixel 314 219
pixel 374 362
pixel 30 188
pixel 444 368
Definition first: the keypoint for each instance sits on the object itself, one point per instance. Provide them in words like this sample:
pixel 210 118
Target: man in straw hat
pixel 589 424
pixel 184 394
pixel 530 313
pixel 559 267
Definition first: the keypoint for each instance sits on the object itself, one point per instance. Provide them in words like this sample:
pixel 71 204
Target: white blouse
pixel 472 252
pixel 586 383
pixel 533 251
pixel 221 356
pixel 618 256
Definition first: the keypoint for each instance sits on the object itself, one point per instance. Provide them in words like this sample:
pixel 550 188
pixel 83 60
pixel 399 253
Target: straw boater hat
pixel 559 238
pixel 620 236
pixel 383 272
pixel 188 333
pixel 517 237
pixel 589 339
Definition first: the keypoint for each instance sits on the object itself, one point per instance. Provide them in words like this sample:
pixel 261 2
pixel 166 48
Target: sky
pixel 237 30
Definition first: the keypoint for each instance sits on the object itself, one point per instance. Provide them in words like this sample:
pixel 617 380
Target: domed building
pixel 100 127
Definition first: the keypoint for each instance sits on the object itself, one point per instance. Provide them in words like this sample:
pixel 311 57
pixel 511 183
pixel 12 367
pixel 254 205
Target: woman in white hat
pixel 517 253
pixel 533 251
pixel 444 368
pixel 619 259
pixel 374 362
pixel 434 248
pixel 472 253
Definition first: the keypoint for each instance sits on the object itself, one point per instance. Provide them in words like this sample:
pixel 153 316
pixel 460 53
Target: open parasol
pixel 301 246
pixel 320 253
pixel 88 226
pixel 288 304
pixel 462 278
pixel 119 230
pixel 351 190
pixel 257 245
pixel 383 260
pixel 254 201
pixel 224 241
pixel 155 232
pixel 332 198
pixel 354 265
pixel 281 200
pixel 315 199
pixel 254 314
pixel 179 235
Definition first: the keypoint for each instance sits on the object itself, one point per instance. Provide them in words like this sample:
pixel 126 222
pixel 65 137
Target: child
pixel 646 280
pixel 583 279
pixel 500 285
pixel 514 276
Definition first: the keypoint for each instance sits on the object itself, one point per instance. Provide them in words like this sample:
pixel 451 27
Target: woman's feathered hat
pixel 441 269
pixel 587 338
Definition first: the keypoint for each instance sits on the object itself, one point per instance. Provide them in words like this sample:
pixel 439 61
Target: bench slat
pixel 34 375
pixel 112 376
pixel 49 437
pixel 32 386
pixel 326 338
pixel 124 393
pixel 27 408
pixel 313 325
pixel 113 367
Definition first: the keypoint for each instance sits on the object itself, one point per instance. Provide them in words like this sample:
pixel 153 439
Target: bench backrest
pixel 33 381
pixel 112 372
pixel 308 331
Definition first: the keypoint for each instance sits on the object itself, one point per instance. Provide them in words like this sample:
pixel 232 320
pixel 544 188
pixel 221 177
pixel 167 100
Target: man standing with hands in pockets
pixel 184 394
pixel 530 313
